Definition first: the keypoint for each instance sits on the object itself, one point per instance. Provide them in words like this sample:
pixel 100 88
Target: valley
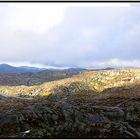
pixel 69 70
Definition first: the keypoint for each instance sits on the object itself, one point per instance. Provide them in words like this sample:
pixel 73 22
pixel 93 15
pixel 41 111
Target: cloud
pixel 62 35
pixel 112 63
pixel 34 17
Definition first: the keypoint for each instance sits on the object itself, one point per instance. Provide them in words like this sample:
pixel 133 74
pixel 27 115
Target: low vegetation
pixel 90 104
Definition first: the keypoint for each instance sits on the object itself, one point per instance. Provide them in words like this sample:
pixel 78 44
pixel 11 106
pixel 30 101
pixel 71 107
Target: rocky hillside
pixel 92 104
pixel 96 81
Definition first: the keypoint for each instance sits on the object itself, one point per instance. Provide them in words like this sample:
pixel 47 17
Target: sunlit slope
pixel 85 81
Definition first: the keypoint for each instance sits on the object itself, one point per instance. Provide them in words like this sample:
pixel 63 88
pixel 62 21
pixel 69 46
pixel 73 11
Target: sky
pixel 88 35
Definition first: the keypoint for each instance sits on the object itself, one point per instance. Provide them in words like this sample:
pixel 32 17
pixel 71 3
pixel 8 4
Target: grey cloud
pixel 85 35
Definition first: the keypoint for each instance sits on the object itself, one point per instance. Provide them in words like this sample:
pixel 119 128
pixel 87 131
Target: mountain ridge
pixel 6 68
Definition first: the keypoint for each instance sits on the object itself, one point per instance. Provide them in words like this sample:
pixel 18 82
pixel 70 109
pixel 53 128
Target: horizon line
pixel 65 67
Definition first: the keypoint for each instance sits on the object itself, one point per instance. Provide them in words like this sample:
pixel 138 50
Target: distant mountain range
pixel 5 68
pixel 24 75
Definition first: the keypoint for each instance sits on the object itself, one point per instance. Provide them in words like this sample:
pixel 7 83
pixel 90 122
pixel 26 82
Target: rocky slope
pixel 93 104
pixel 84 81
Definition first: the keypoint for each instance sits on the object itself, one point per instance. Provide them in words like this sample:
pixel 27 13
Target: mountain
pixel 75 69
pixel 5 68
pixel 31 69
